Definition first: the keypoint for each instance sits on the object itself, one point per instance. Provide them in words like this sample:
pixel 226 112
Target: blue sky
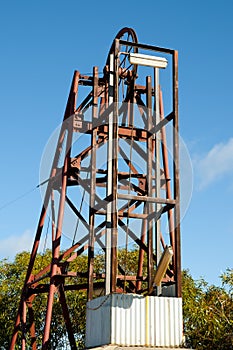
pixel 42 42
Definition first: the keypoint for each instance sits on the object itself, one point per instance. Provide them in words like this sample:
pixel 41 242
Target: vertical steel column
pixel 108 240
pixel 24 314
pixel 157 169
pixel 92 185
pixel 114 262
pixel 149 205
pixel 141 251
pixel 176 174
pixel 167 175
pixel 32 323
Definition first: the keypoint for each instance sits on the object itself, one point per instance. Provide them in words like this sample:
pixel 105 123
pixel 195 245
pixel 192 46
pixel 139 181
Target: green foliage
pixel 11 281
pixel 227 280
pixel 207 310
pixel 208 313
pixel 12 275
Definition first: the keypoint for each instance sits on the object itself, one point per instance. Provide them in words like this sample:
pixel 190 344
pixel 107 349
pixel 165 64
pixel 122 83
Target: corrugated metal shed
pixel 134 320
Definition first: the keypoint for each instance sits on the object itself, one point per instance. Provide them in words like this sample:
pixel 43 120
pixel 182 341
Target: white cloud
pixel 14 244
pixel 218 162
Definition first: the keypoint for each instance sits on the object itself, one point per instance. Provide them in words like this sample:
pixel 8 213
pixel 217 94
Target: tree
pixel 207 310
pixel 227 280
pixel 208 313
pixel 11 281
pixel 12 275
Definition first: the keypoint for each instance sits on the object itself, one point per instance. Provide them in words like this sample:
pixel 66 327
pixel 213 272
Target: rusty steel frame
pixel 124 200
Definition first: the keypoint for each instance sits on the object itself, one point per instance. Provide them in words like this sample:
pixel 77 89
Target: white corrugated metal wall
pixel 133 320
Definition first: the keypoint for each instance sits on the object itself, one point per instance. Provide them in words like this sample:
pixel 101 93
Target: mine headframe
pixel 113 187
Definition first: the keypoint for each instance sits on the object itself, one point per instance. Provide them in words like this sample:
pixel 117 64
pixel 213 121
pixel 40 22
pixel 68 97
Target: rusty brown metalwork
pixel 109 183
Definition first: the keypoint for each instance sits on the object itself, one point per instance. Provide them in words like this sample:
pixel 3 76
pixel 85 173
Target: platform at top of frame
pixel 129 320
